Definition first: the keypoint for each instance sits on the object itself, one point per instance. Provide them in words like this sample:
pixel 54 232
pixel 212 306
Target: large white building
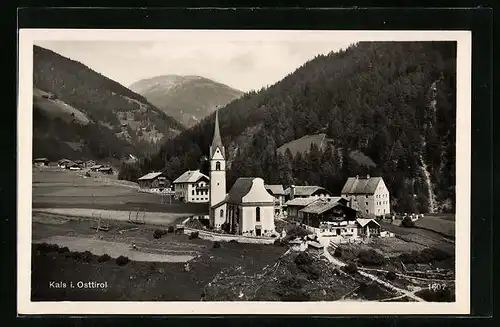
pixel 368 195
pixel 192 186
pixel 248 208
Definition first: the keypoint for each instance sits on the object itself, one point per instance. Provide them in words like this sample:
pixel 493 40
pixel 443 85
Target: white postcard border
pixel 27 37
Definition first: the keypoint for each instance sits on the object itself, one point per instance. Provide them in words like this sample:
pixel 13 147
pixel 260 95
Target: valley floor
pixel 176 267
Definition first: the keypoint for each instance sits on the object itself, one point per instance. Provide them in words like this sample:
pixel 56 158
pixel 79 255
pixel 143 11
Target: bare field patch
pixel 444 226
pixel 155 218
pixel 393 246
pixel 48 219
pixel 113 249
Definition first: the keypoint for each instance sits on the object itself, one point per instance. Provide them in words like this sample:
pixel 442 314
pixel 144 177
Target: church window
pixel 221 213
pixel 257 214
pixel 217 165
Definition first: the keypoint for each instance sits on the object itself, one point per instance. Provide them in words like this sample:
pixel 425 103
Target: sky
pixel 242 63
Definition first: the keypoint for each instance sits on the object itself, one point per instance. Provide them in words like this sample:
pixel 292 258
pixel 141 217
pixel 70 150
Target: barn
pixel 155 181
pixel 41 162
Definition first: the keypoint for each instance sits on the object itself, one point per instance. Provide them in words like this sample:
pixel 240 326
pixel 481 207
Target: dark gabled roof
pixel 275 189
pixel 149 176
pixel 301 202
pixel 240 188
pixel 361 185
pixel 323 205
pixel 305 190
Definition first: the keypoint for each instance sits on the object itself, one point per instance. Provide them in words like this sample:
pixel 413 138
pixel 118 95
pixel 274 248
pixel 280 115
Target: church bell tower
pixel 217 167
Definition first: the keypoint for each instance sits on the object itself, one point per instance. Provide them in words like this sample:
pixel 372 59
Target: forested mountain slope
pixel 121 121
pixel 393 101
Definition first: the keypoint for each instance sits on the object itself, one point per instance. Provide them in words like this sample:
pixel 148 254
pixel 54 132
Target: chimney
pixel 357 176
pixel 292 191
pixel 367 176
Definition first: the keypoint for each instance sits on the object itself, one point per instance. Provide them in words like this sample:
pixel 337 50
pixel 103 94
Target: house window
pixel 192 192
pixel 366 210
pixel 366 202
pixel 257 214
pixel 217 165
pixel 221 213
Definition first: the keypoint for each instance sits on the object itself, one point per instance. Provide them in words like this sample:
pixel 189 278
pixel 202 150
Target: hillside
pixel 105 118
pixel 392 101
pixel 188 99
pixel 303 145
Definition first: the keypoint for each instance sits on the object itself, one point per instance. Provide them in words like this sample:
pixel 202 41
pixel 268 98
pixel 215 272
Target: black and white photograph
pixel 306 170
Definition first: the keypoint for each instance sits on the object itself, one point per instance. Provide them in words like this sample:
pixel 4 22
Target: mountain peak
pixel 187 98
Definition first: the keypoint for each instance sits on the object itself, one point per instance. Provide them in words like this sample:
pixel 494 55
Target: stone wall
pixel 206 235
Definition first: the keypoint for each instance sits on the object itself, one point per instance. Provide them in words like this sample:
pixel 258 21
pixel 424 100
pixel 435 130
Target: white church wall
pixel 220 216
pixel 258 193
pixel 250 221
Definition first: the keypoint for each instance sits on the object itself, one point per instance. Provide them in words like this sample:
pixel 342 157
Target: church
pixel 248 209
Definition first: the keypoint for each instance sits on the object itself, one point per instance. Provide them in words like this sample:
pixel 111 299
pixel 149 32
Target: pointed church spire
pixel 216 141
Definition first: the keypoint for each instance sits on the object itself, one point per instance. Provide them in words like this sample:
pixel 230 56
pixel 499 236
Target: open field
pixel 54 188
pixel 424 237
pixel 66 204
pixel 138 280
pixel 152 218
pixel 443 224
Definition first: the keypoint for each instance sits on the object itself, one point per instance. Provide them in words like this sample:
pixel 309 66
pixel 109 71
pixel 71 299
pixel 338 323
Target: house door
pixel 258 231
pixel 338 231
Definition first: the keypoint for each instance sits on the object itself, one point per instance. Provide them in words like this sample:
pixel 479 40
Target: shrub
pixel 122 260
pixel 103 258
pixel 296 231
pixel 290 289
pixel 46 247
pixel 153 266
pixel 407 222
pixel 216 244
pixel 303 259
pixel 279 242
pixel 425 256
pixel 337 253
pixel 391 275
pixel 86 256
pixel 194 235
pixel 351 268
pixel 371 258
pixel 170 229
pixel 313 272
pixel 436 254
pixel 77 256
pixel 293 282
pixel 158 233
pixel 64 249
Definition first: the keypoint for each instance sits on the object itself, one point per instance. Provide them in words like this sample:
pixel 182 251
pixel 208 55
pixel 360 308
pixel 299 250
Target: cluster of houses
pixel 75 165
pixel 251 206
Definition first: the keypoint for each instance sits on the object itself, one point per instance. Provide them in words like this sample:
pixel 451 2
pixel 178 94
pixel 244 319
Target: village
pixel 354 234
